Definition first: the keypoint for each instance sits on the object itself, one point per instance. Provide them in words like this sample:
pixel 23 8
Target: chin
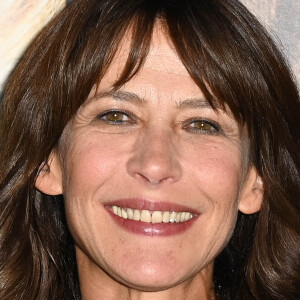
pixel 152 278
pixel 150 284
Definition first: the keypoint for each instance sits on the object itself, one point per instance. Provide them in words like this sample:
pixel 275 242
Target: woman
pixel 150 150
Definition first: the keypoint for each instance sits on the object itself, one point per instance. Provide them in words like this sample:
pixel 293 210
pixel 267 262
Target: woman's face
pixel 153 145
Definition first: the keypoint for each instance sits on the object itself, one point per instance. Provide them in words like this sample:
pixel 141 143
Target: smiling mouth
pixel 154 217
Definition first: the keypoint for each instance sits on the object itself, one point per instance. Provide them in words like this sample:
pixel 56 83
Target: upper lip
pixel 151 205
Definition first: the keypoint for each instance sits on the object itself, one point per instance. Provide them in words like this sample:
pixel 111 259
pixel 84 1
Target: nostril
pixel 152 180
pixel 149 179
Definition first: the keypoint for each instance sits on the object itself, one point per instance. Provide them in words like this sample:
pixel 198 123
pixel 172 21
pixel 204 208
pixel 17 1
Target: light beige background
pixel 282 19
pixel 20 20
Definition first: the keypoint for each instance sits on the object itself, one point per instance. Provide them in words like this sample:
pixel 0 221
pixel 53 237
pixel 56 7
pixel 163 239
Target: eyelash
pixel 215 128
pixel 123 113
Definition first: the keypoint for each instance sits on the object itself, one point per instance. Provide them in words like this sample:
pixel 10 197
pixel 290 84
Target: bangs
pixel 212 40
pixel 222 46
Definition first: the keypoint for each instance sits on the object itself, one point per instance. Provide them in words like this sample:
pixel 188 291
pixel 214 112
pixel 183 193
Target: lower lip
pixel 150 229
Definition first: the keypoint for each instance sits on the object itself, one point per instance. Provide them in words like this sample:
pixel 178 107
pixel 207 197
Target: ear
pixel 252 193
pixel 49 179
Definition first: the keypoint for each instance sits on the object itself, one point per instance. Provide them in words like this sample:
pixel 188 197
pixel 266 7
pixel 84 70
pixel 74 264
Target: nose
pixel 155 159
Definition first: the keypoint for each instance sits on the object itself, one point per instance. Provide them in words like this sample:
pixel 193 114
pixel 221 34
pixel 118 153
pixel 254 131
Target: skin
pixel 157 151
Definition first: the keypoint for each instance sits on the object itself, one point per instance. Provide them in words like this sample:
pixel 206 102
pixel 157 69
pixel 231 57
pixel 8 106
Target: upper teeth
pixel 152 217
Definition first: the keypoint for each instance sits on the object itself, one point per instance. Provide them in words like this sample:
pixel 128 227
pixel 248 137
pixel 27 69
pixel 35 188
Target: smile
pixel 153 217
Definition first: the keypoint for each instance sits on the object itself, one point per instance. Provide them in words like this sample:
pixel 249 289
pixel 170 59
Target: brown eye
pixel 115 117
pixel 203 126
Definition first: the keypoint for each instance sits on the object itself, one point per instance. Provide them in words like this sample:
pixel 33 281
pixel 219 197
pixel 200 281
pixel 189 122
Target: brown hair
pixel 220 43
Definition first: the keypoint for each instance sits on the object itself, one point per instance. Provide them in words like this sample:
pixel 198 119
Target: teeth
pixel 173 216
pixel 119 211
pixel 178 217
pixel 130 213
pixel 156 217
pixel 152 217
pixel 182 217
pixel 187 216
pixel 124 214
pixel 166 217
pixel 145 216
pixel 136 215
pixel 115 209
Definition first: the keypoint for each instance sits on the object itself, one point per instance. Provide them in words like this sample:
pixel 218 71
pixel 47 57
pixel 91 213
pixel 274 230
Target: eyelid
pixel 215 125
pixel 121 111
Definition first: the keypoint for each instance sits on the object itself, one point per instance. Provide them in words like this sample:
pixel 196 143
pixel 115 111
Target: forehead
pixel 161 57
pixel 162 73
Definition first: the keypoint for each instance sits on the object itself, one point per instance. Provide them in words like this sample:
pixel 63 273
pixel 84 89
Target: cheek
pixel 217 170
pixel 216 180
pixel 89 165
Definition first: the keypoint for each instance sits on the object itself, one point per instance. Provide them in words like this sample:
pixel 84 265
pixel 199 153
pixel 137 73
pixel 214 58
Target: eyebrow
pixel 134 98
pixel 193 103
pixel 120 96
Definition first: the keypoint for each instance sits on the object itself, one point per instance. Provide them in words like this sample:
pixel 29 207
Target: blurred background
pixel 20 20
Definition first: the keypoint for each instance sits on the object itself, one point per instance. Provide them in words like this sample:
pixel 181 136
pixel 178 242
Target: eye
pixel 203 126
pixel 116 117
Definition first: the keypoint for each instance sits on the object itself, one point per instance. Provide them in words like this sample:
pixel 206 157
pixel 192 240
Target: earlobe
pixel 252 193
pixel 49 179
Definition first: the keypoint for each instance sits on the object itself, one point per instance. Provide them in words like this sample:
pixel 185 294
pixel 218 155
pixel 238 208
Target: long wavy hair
pixel 223 47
